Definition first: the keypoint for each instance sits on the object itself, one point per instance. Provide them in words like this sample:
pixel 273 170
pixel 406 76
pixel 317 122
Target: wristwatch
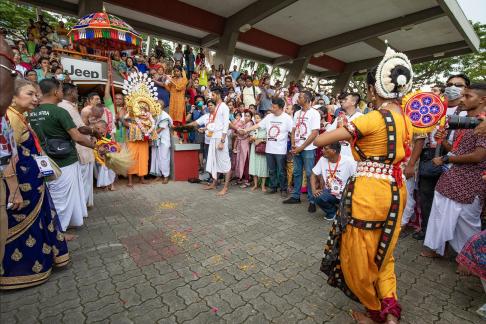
pixel 445 159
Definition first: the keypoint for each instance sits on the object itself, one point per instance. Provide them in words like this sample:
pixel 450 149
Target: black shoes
pixel 419 236
pixel 271 192
pixel 311 208
pixel 291 200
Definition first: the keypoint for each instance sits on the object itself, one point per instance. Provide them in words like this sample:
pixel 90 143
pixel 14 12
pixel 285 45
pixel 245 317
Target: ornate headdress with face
pixel 141 94
pixel 394 75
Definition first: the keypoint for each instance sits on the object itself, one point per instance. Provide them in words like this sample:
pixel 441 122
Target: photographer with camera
pixel 429 173
pixel 460 192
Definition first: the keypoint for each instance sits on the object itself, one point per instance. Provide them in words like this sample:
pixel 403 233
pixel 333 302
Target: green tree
pixel 472 64
pixel 435 71
pixel 15 18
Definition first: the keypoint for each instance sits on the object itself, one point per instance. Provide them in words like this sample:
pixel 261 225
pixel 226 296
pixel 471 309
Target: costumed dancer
pixel 106 177
pixel 143 106
pixel 359 253
pixel 160 163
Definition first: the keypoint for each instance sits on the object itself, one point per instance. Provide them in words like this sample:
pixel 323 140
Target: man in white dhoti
pixel 217 123
pixel 160 163
pixel 85 154
pixel 460 192
pixel 52 122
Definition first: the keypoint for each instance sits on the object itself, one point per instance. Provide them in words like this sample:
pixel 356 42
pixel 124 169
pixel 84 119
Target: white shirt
pixel 278 128
pixel 178 56
pixel 335 182
pixel 345 146
pixel 305 122
pixel 295 99
pixel 249 98
pixel 203 120
pixel 217 124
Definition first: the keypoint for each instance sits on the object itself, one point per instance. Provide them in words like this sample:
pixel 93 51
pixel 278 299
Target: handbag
pixel 426 167
pixel 58 148
pixel 260 148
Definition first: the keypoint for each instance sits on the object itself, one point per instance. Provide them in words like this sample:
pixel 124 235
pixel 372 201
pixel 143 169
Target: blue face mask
pixel 200 104
pixel 60 77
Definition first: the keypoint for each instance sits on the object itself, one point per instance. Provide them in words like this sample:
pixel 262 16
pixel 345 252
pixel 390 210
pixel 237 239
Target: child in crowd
pixel 106 177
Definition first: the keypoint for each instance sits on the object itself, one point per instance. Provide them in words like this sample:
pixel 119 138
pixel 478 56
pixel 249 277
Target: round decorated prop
pixel 104 32
pixel 424 109
pixel 103 147
pixel 113 156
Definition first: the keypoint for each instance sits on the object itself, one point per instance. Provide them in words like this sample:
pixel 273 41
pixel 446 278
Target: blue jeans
pixel 277 171
pixel 304 159
pixel 328 203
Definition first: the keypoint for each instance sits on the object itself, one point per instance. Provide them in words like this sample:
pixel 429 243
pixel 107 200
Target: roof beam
pixel 456 15
pixel 446 55
pixel 282 60
pixel 328 74
pixel 209 40
pixel 377 44
pixel 161 32
pixel 413 55
pixel 55 5
pixel 250 56
pixel 368 32
pixel 255 12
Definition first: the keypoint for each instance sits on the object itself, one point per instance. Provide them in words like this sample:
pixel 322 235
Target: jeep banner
pixel 88 71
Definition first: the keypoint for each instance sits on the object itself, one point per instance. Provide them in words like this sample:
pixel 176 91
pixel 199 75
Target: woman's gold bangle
pixel 9 176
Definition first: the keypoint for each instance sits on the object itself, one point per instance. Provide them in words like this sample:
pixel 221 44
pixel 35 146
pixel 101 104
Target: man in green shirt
pixel 52 122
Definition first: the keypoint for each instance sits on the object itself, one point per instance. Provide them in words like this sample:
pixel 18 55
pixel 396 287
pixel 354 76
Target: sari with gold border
pixel 35 243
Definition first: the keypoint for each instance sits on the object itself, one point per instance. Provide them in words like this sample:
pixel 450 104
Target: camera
pixel 462 122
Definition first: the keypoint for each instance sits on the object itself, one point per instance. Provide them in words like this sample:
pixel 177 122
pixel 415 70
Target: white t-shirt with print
pixel 345 169
pixel 305 122
pixel 278 128
pixel 345 146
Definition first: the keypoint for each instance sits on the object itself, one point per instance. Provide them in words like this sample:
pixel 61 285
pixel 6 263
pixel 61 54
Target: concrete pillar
pixel 342 82
pixel 297 70
pixel 226 49
pixel 87 7
pixel 150 41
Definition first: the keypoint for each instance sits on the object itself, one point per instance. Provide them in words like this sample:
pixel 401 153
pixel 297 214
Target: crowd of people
pixel 358 161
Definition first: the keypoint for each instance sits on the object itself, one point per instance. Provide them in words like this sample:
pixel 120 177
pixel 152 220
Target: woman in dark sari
pixel 35 243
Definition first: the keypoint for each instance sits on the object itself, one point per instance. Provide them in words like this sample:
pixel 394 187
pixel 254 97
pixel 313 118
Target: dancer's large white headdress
pixel 394 75
pixel 140 92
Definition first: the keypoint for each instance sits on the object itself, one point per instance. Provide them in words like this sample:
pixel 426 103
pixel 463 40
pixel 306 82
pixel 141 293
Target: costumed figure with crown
pixel 358 256
pixel 143 108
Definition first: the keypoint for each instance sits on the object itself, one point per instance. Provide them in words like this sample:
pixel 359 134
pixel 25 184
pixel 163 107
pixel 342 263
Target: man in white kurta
pixel 160 163
pixel 217 123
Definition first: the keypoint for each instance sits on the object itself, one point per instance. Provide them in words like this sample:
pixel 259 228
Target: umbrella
pixel 104 32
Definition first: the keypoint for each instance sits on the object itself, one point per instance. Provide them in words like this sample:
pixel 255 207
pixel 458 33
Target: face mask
pixel 452 93
pixel 199 104
pixel 60 77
